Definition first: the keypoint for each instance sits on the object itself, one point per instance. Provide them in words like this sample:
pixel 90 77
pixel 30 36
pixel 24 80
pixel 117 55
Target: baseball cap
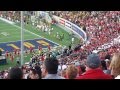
pixel 93 61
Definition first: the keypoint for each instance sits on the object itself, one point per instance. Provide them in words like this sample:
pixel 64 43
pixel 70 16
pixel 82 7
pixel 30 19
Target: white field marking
pixel 5 37
pixel 31 32
pixel 5 20
pixel 11 37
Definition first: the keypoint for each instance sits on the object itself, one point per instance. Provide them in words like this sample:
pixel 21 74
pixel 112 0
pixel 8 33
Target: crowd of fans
pixel 52 68
pixel 79 62
pixel 68 63
pixel 101 26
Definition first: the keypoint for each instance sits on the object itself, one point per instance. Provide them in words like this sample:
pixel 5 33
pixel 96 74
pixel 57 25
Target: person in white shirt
pixel 73 40
pixel 118 77
pixel 57 35
pixel 52 29
pixel 64 67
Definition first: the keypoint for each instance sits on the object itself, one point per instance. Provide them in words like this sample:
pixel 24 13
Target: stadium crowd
pixel 95 24
pixel 79 62
pixel 67 66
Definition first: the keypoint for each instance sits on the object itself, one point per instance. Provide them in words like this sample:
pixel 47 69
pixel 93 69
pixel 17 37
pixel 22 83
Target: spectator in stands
pixel 63 73
pixel 93 70
pixel 15 73
pixel 107 71
pixel 38 70
pixel 71 72
pixel 5 75
pixel 35 73
pixel 103 65
pixel 50 67
pixel 115 66
pixel 107 55
pixel 82 69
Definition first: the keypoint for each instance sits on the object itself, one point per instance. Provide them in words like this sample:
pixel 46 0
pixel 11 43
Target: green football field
pixel 11 33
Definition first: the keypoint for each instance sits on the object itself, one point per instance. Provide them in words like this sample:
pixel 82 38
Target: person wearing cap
pixel 93 70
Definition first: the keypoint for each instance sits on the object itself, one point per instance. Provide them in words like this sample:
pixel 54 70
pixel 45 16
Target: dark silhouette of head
pixel 38 70
pixel 15 73
pixel 51 65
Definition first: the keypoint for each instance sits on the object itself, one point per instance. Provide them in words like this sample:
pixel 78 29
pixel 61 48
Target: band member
pixel 40 49
pixel 42 57
pixel 18 52
pixel 31 49
pixel 26 52
pixel 49 48
pixel 10 54
pixel 12 57
pixel 15 51
pixel 6 54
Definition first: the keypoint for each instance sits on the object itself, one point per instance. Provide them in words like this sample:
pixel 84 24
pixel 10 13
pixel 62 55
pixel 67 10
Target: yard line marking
pixel 32 33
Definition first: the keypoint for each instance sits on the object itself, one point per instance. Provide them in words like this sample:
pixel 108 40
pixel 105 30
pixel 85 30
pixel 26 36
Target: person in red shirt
pixel 31 49
pixel 18 52
pixel 93 70
pixel 12 57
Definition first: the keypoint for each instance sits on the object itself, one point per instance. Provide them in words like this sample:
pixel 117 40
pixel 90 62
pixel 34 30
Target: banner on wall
pixel 76 29
pixel 68 24
pixel 62 21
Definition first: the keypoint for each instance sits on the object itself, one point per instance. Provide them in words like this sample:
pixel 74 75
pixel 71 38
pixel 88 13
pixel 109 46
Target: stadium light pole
pixel 22 38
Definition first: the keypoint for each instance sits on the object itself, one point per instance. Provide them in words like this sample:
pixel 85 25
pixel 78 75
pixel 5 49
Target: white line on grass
pixel 16 40
pixel 35 34
pixel 31 32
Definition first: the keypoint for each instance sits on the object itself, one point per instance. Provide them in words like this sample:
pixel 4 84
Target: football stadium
pixel 59 44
